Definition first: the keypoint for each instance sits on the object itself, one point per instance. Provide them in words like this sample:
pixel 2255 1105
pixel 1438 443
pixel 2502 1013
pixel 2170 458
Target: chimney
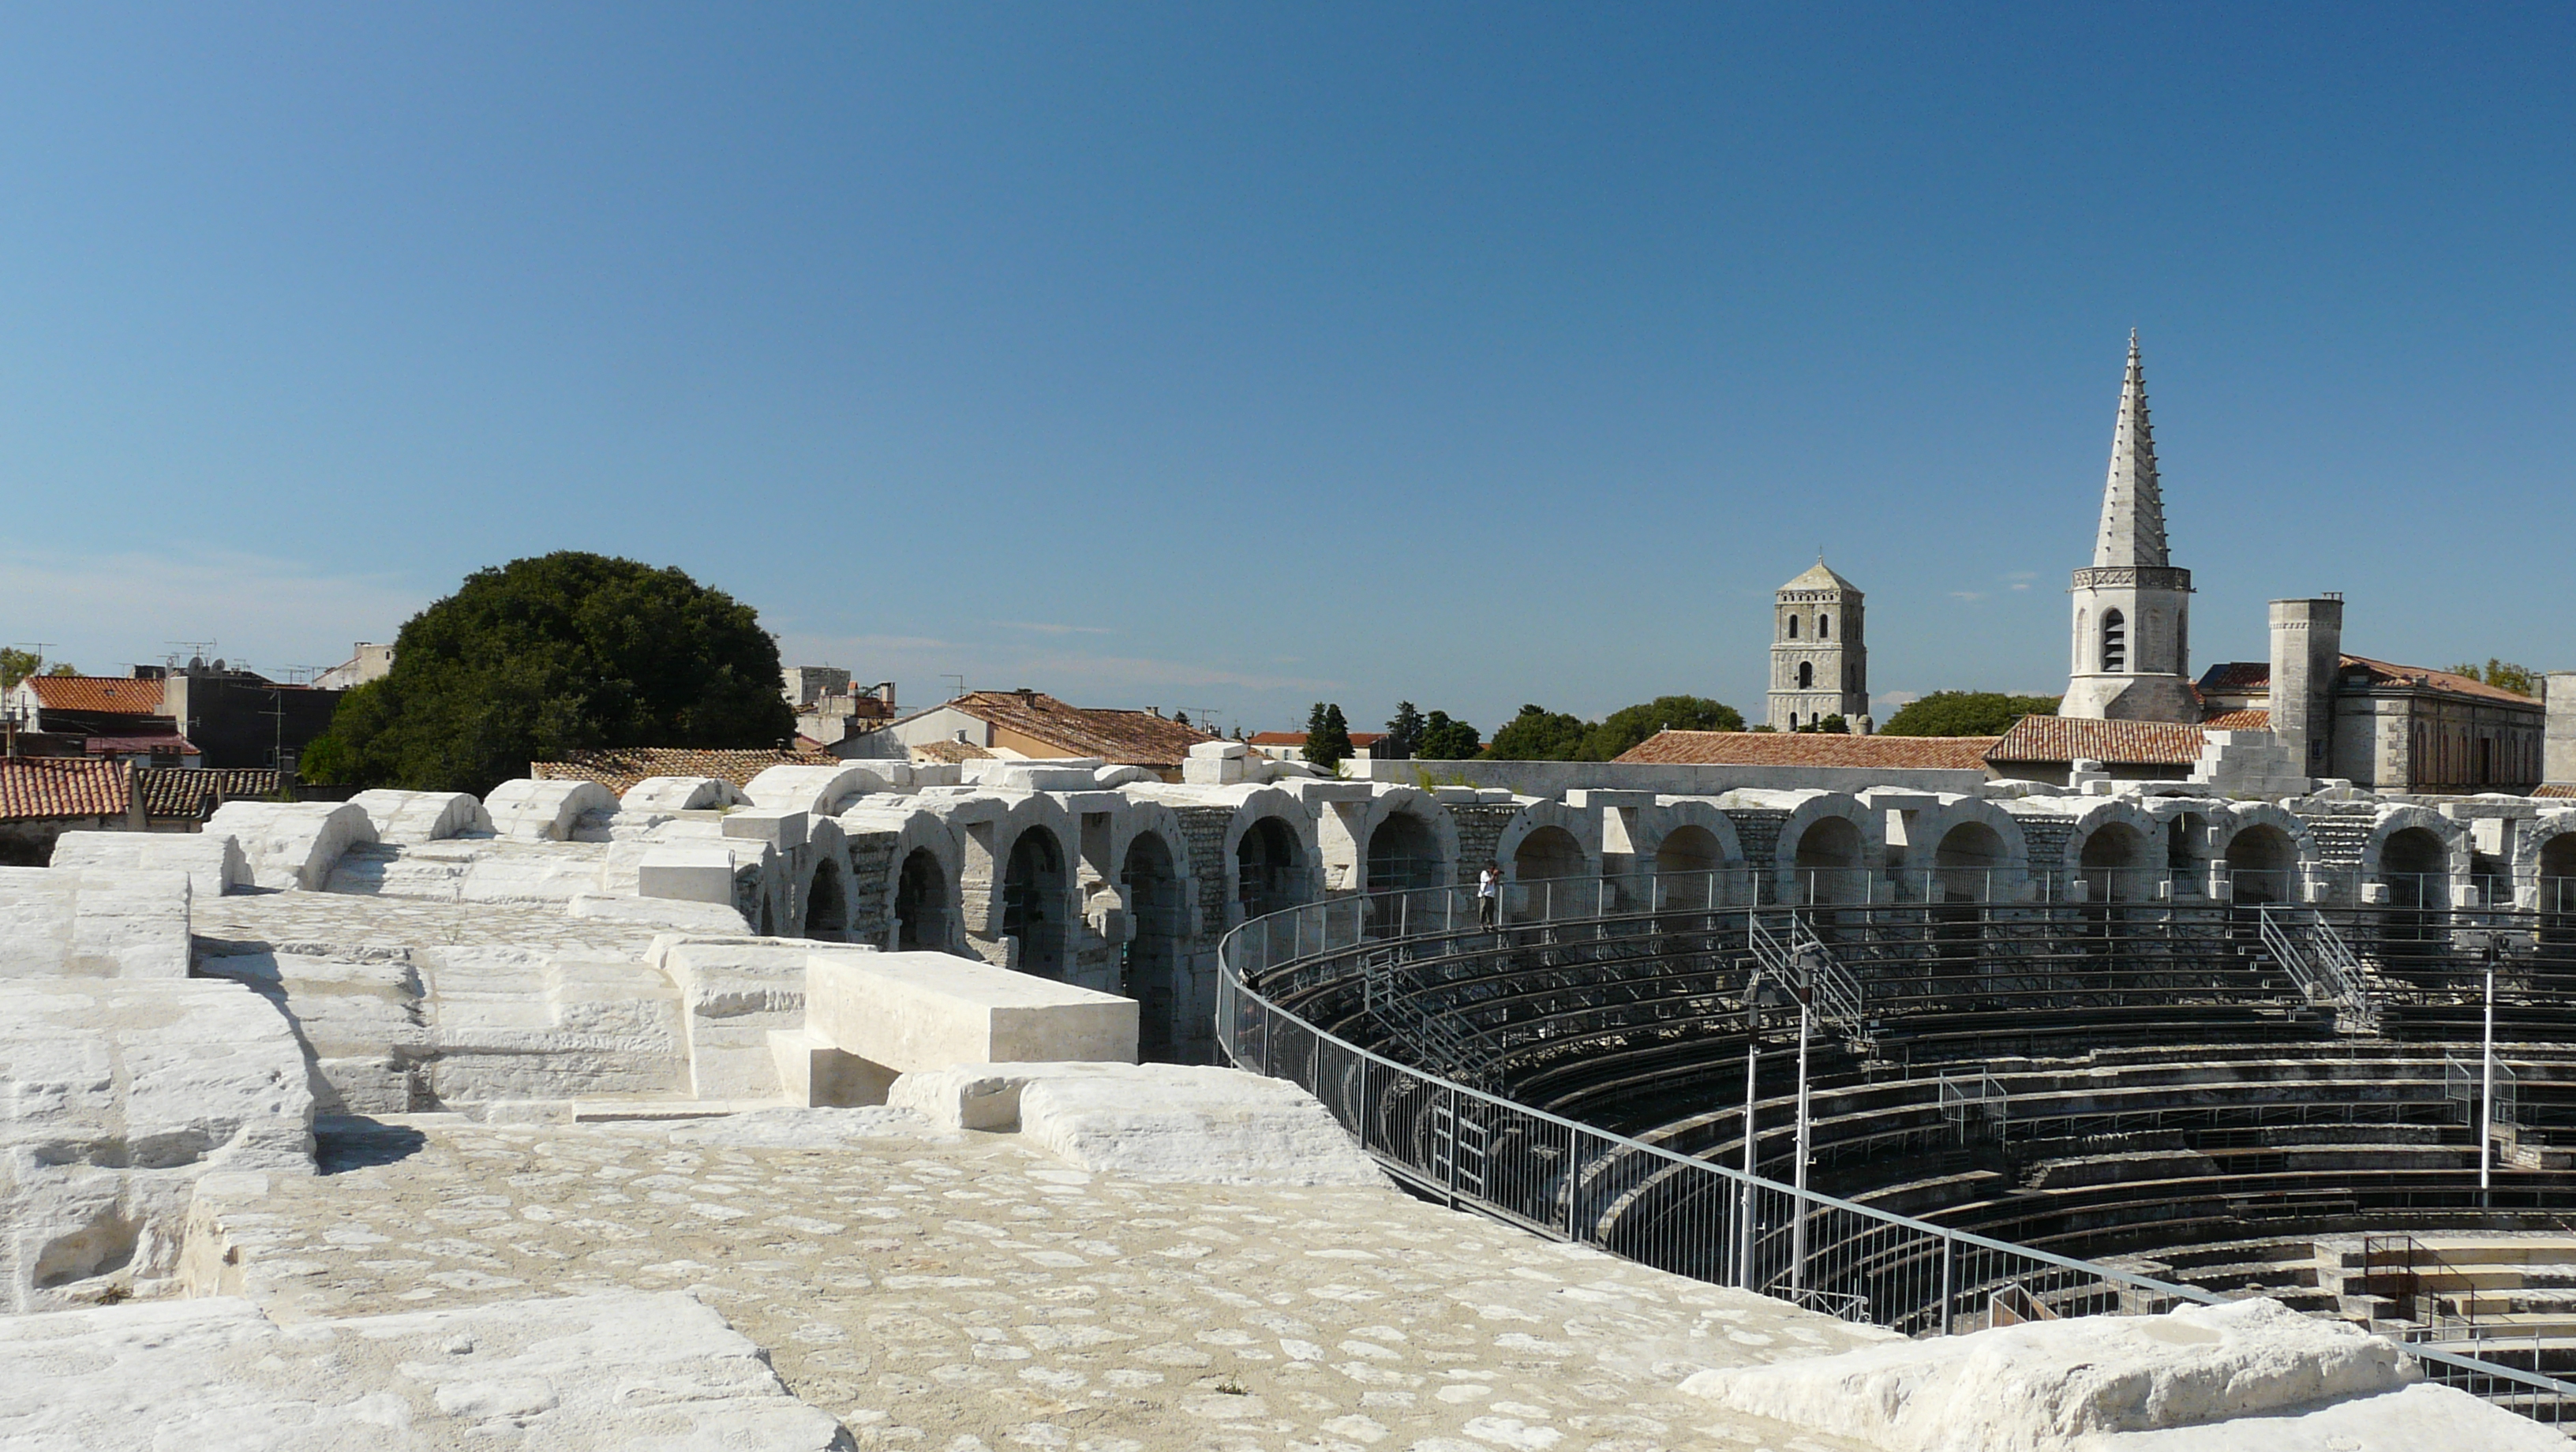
pixel 2558 737
pixel 2307 648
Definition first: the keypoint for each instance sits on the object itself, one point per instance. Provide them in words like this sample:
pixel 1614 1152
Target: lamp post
pixel 1752 1057
pixel 1803 960
pixel 2486 1086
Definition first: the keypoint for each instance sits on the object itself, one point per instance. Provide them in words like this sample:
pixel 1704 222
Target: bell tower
pixel 1819 654
pixel 2132 656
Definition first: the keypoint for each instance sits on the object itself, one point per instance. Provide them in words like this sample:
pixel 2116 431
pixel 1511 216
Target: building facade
pixel 1819 653
pixel 2132 638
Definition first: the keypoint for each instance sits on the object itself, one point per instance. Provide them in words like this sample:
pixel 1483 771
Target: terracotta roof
pixel 1815 748
pixel 33 787
pixel 1298 738
pixel 1122 738
pixel 164 745
pixel 2113 743
pixel 950 751
pixel 2251 719
pixel 619 768
pixel 2554 791
pixel 2256 675
pixel 122 695
pixel 189 791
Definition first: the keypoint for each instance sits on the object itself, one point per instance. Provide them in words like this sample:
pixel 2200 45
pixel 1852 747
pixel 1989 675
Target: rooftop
pixel 2113 743
pixel 188 791
pixel 1121 737
pixel 1818 748
pixel 620 767
pixel 39 787
pixel 2241 676
pixel 125 695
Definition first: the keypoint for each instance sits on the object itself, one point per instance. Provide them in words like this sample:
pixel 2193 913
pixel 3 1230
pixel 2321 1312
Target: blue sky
pixel 1235 357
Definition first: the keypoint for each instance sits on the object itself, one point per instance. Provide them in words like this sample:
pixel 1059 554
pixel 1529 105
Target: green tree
pixel 1404 732
pixel 1833 725
pixel 1446 740
pixel 1328 735
pixel 1623 730
pixel 16 665
pixel 2504 675
pixel 556 653
pixel 62 668
pixel 1539 734
pixel 1965 713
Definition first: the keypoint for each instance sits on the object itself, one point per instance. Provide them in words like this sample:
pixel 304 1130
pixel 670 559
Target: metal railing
pixel 2318 960
pixel 1554 1176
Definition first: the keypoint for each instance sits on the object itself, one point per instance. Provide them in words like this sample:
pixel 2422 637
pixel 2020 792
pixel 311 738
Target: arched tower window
pixel 1793 627
pixel 1806 675
pixel 1824 627
pixel 2115 642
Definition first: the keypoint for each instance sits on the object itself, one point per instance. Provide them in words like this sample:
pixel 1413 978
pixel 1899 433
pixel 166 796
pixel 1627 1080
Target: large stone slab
pixel 913 1011
pixel 213 863
pixel 1187 1124
pixel 544 811
pixel 422 816
pixel 735 994
pixel 292 845
pixel 93 923
pixel 115 1096
pixel 2051 1385
pixel 618 1372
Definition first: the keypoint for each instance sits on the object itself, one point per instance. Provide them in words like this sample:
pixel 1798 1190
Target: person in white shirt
pixel 1489 892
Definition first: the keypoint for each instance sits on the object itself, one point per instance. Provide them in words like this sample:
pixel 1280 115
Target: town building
pixel 2132 636
pixel 1032 724
pixel 1819 653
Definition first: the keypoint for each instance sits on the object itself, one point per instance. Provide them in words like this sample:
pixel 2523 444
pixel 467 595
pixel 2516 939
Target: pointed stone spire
pixel 2133 508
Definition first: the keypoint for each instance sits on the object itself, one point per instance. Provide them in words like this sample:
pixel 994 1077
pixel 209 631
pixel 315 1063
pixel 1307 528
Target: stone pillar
pixel 2307 649
pixel 2558 744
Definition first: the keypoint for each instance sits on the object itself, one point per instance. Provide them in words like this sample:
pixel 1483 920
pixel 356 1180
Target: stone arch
pixel 2418 850
pixel 2247 843
pixel 681 794
pixel 1271 857
pixel 1965 848
pixel 1568 843
pixel 1424 844
pixel 1830 849
pixel 1806 675
pixel 1151 967
pixel 2134 841
pixel 1033 900
pixel 2545 870
pixel 821 791
pixel 989 831
pixel 913 901
pixel 826 899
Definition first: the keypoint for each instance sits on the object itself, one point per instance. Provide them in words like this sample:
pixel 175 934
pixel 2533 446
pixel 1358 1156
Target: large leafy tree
pixel 553 654
pixel 1539 734
pixel 1624 729
pixel 2504 675
pixel 1447 740
pixel 1965 713
pixel 1403 732
pixel 1328 735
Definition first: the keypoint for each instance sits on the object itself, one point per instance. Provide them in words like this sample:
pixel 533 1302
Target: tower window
pixel 2115 642
pixel 1806 675
pixel 1824 626
pixel 1793 627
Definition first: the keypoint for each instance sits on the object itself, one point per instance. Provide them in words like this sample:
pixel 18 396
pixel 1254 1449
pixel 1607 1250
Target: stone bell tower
pixel 1819 656
pixel 2132 659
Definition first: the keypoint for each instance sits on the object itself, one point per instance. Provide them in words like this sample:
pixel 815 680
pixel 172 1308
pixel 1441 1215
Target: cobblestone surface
pixel 956 1292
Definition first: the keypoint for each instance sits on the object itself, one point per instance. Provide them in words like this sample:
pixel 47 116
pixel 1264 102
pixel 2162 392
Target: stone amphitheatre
pixel 1023 1103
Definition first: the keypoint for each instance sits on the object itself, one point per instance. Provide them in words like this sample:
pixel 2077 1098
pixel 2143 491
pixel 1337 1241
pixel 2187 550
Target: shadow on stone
pixel 343 1142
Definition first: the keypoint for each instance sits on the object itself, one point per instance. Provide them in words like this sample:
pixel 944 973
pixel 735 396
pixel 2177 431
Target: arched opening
pixel 1404 854
pixel 1806 674
pixel 827 905
pixel 2111 863
pixel 2262 864
pixel 2181 831
pixel 1967 862
pixel 1150 973
pixel 921 904
pixel 2557 886
pixel 1689 849
pixel 2115 642
pixel 1828 862
pixel 1268 869
pixel 2413 864
pixel 1033 906
pixel 1548 852
pixel 1824 627
pixel 1793 627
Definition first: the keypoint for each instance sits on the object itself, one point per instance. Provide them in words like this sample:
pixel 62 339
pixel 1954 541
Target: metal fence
pixel 1478 1150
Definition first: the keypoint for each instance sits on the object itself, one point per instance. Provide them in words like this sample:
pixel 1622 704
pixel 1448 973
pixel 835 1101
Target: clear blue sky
pixel 1234 356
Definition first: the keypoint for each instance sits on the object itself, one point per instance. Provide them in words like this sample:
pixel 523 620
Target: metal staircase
pixel 2319 963
pixel 1798 957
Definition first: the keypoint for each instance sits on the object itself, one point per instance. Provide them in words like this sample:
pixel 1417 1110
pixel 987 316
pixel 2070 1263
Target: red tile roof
pixel 2250 719
pixel 188 791
pixel 2113 743
pixel 37 787
pixel 2554 791
pixel 1120 737
pixel 949 751
pixel 1815 748
pixel 139 746
pixel 100 694
pixel 2255 675
pixel 620 768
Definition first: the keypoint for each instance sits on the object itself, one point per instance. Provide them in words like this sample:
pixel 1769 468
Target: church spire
pixel 2133 508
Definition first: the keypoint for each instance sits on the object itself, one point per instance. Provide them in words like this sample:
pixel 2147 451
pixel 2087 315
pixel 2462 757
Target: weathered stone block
pixel 688 872
pixel 910 1011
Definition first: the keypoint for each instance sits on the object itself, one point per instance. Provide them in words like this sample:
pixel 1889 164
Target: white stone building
pixel 2132 636
pixel 1819 652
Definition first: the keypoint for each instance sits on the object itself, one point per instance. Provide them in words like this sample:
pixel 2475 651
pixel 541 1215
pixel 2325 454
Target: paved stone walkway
pixel 954 1292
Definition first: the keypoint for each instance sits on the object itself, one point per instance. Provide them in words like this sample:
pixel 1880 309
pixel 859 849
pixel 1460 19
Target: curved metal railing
pixel 1474 1148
